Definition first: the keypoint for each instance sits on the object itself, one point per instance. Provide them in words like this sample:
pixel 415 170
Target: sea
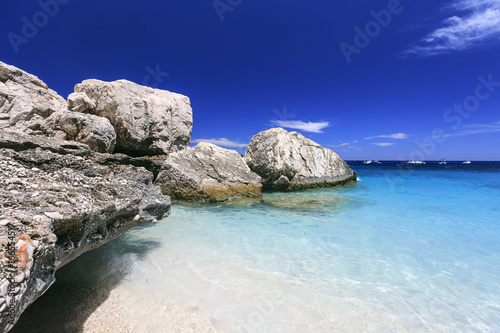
pixel 408 248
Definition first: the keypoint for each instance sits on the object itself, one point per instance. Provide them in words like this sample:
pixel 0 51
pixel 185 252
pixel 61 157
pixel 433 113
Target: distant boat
pixel 367 162
pixel 416 162
pixel 467 162
pixel 443 162
pixel 377 162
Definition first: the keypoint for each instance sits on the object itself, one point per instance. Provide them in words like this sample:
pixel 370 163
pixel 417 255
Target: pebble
pixel 54 215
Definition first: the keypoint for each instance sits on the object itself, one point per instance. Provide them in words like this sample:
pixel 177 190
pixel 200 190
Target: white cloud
pixel 223 142
pixel 340 145
pixel 477 129
pixel 383 144
pixel 397 136
pixel 345 144
pixel 300 125
pixel 478 24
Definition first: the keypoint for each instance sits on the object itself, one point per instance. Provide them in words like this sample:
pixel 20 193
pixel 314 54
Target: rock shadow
pixel 82 286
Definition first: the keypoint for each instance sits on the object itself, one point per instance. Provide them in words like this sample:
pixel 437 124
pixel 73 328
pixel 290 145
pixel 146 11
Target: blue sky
pixel 369 79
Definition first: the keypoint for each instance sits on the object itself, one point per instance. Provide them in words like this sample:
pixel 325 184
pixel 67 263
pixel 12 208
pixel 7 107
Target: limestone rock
pixel 97 132
pixel 25 101
pixel 79 102
pixel 288 161
pixel 208 173
pixel 147 121
pixel 59 199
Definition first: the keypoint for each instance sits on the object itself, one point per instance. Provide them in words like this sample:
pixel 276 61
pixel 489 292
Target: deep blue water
pixel 403 250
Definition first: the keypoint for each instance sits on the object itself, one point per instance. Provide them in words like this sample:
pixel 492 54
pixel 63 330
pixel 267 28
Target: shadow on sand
pixel 81 287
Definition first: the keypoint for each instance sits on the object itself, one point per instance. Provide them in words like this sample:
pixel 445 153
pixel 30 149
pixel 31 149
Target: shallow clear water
pixel 403 250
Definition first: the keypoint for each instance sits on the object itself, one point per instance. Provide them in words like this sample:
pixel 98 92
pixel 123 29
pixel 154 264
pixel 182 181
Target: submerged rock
pixel 59 199
pixel 208 173
pixel 25 101
pixel 147 121
pixel 288 161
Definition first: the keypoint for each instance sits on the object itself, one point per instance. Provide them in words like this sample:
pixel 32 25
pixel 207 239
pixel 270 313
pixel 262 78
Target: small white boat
pixel 467 162
pixel 367 162
pixel 443 162
pixel 416 162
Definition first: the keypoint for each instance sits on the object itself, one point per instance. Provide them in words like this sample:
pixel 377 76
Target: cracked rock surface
pixel 209 173
pixel 25 101
pixel 289 161
pixel 147 121
pixel 59 199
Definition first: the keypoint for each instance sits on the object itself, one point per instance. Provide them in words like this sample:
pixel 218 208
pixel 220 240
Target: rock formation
pixel 59 199
pixel 96 132
pixel 25 101
pixel 288 161
pixel 147 121
pixel 208 173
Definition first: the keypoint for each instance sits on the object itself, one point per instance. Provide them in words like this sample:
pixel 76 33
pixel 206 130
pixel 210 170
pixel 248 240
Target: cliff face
pixel 58 198
pixel 288 161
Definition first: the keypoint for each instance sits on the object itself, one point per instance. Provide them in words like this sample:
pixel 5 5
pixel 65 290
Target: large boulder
pixel 288 161
pixel 25 101
pixel 209 173
pixel 147 121
pixel 96 132
pixel 59 199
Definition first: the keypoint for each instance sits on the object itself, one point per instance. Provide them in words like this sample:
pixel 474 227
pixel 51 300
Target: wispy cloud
pixel 301 125
pixel 397 136
pixel 477 129
pixel 476 23
pixel 223 142
pixel 344 144
pixel 383 144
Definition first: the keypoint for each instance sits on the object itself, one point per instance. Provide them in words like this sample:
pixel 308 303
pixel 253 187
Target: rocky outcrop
pixel 288 161
pixel 147 121
pixel 59 199
pixel 208 173
pixel 79 102
pixel 25 101
pixel 96 132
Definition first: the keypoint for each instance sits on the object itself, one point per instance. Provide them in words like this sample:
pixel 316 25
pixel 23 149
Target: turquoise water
pixel 413 250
